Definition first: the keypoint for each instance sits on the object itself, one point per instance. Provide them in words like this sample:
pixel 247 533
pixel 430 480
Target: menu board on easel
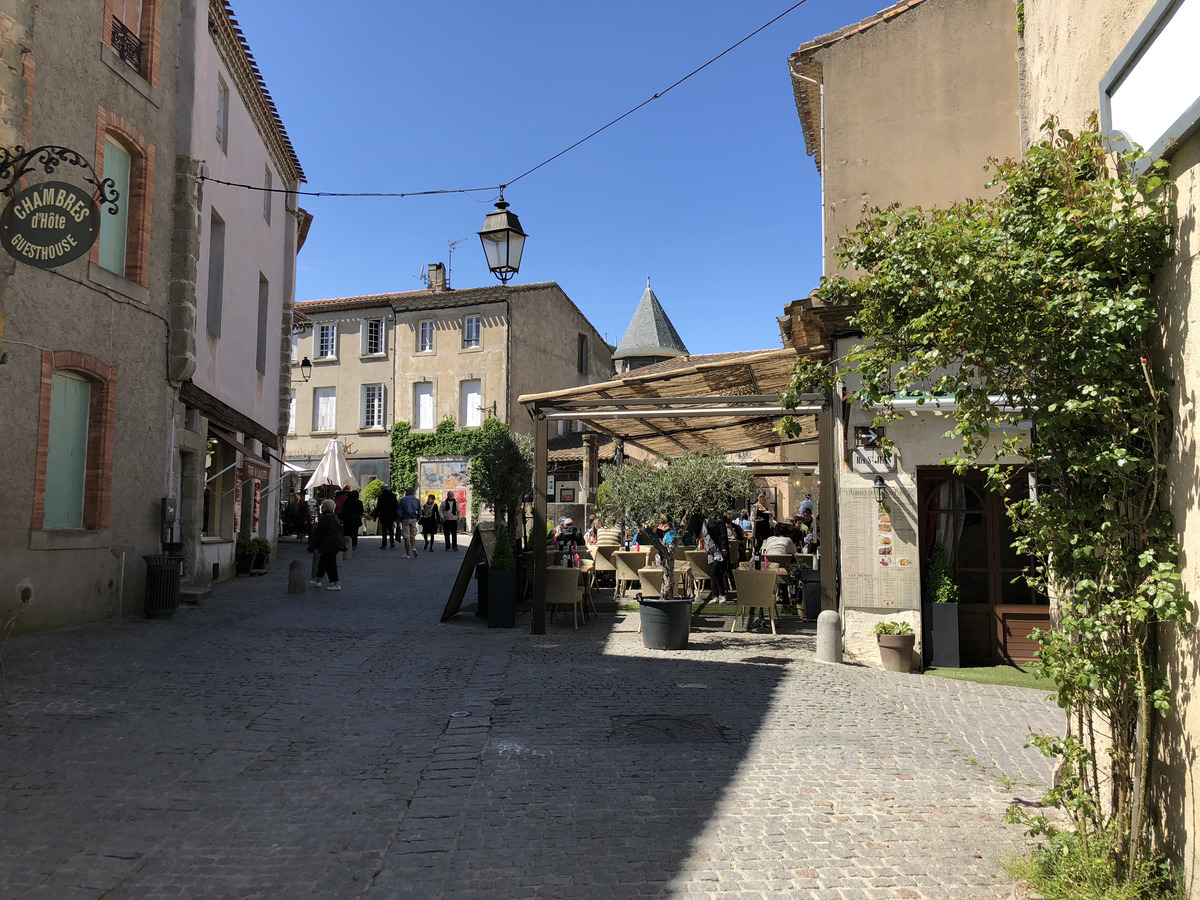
pixel 879 553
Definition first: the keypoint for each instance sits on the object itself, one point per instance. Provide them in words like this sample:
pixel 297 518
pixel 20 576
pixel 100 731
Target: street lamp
pixel 503 240
pixel 305 370
pixel 880 489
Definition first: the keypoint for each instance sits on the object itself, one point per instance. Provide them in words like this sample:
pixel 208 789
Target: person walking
pixel 449 511
pixel 716 544
pixel 386 510
pixel 352 517
pixel 327 540
pixel 410 511
pixel 430 519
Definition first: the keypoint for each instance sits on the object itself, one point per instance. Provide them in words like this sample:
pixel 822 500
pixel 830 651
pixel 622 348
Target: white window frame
pixel 295 347
pixel 322 329
pixel 470 415
pixel 421 342
pixel 474 342
pixel 419 388
pixel 368 419
pixel 328 423
pixel 292 412
pixel 364 348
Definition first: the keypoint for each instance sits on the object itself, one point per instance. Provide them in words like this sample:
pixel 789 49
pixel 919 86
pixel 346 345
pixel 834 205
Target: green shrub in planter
pixel 892 627
pixel 940 586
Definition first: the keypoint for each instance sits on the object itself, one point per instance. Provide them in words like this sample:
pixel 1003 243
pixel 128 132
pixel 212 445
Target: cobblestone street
pixel 351 745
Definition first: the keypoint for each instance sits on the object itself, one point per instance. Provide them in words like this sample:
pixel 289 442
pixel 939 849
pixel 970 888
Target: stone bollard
pixel 829 637
pixel 297 581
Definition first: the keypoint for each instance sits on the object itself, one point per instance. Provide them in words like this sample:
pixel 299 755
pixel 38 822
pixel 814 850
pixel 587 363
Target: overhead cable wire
pixel 661 93
pixel 546 162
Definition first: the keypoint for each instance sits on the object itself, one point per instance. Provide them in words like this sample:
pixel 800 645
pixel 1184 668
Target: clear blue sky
pixel 707 190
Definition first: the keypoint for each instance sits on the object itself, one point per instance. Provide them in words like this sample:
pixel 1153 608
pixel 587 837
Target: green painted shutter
pixel 115 229
pixel 66 461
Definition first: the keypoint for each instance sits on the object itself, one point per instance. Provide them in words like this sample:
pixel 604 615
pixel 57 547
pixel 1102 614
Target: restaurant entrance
pixel 997 608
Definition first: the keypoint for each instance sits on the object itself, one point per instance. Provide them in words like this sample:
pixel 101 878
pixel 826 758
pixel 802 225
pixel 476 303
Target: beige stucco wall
pixel 914 107
pixel 1070 45
pixel 94 574
pixel 538 353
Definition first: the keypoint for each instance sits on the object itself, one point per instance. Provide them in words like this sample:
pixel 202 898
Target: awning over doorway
pixel 255 465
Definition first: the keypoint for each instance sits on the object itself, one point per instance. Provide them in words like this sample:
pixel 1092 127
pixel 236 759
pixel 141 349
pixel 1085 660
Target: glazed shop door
pixel 997 609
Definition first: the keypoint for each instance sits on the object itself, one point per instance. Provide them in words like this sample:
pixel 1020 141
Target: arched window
pixel 73 478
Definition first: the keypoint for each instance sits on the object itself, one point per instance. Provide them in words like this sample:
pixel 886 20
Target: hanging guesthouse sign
pixel 51 223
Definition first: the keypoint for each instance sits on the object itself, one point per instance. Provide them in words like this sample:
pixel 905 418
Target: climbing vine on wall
pixel 1034 305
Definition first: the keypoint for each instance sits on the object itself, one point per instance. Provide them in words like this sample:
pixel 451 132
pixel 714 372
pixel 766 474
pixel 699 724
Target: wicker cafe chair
pixel 701 573
pixel 565 588
pixel 755 589
pixel 627 563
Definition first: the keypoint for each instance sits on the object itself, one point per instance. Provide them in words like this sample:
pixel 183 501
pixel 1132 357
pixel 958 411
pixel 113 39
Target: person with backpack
pixel 449 512
pixel 430 519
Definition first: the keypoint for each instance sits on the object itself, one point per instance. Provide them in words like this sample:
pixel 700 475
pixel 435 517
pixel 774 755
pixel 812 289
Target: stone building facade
pixel 424 356
pixel 84 395
pixel 102 387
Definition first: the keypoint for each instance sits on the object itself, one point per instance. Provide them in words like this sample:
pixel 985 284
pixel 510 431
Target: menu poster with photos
pixel 879 553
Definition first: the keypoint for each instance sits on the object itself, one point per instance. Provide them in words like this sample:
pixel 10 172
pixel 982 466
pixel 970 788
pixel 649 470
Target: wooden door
pixel 997 608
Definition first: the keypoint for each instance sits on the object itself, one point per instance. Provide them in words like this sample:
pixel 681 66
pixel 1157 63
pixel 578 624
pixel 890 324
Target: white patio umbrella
pixel 333 469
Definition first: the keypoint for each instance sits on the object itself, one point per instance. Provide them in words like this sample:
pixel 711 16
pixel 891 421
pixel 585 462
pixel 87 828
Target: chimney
pixel 437 277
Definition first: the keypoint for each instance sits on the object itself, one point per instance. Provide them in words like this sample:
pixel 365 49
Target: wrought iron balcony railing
pixel 127 45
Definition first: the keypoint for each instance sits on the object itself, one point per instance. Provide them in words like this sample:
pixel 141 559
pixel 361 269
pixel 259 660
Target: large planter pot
pixel 259 566
pixel 666 624
pixel 895 651
pixel 244 563
pixel 941 635
pixel 502 599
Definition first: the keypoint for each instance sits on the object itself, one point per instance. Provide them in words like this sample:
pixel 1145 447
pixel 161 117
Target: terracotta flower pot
pixel 896 650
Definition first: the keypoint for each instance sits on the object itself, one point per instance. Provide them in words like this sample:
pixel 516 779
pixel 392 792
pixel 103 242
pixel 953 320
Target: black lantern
pixel 503 240
pixel 305 369
pixel 880 488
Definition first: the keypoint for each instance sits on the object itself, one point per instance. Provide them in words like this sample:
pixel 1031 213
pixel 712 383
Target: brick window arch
pixel 135 203
pixel 96 422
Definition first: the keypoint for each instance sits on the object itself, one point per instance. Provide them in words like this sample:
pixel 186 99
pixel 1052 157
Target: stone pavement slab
pixel 349 745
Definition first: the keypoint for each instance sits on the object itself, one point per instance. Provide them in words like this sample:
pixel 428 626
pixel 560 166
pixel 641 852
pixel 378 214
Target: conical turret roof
pixel 650 332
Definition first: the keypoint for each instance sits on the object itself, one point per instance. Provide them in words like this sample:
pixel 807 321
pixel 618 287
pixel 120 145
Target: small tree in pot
pixel 502 582
pixel 941 609
pixel 638 492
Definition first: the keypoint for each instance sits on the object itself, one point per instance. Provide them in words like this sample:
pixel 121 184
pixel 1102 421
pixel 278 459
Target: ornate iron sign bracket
pixel 16 163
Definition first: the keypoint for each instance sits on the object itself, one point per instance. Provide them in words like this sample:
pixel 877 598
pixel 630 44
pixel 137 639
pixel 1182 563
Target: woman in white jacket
pixel 450 514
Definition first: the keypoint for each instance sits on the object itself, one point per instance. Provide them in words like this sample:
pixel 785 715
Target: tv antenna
pixel 450 258
pixel 423 277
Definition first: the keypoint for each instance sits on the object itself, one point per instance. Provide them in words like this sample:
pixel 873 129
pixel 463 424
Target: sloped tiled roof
pixel 569 446
pixel 650 332
pixel 228 34
pixel 426 299
pixel 806 69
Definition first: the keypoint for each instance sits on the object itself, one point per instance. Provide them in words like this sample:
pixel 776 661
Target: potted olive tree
pixel 639 492
pixel 896 640
pixel 941 610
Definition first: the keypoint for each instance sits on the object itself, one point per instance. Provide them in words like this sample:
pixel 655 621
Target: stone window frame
pixel 101 429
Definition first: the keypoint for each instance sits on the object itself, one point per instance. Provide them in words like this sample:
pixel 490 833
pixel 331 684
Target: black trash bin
pixel 162 585
pixel 810 590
